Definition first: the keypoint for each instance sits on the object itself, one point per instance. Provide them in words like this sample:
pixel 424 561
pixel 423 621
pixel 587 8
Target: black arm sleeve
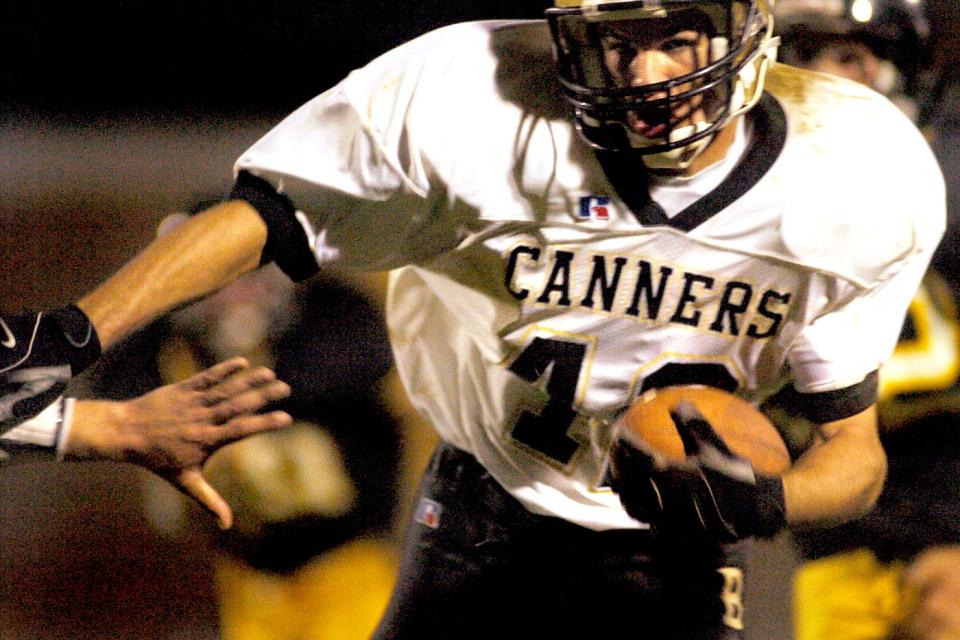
pixel 287 242
pixel 829 406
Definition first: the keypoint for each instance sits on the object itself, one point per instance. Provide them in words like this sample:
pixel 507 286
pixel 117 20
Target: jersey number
pixel 547 432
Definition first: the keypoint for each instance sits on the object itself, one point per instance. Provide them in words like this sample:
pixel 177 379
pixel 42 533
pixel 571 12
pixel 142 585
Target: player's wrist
pixel 97 432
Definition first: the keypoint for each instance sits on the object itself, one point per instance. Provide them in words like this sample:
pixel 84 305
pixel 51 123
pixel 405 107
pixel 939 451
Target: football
pixel 746 431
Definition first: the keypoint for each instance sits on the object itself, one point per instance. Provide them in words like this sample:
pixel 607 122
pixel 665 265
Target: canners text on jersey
pixel 628 285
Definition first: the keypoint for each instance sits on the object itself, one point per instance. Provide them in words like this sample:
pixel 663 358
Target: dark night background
pixel 219 54
pixel 206 55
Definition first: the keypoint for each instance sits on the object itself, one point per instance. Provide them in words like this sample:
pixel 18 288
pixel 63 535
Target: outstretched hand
pixel 173 430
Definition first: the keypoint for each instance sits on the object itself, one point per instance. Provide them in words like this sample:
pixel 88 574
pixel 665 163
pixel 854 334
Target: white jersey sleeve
pixel 360 159
pixel 864 202
pixel 838 349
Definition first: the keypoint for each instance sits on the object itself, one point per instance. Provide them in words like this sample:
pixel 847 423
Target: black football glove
pixel 712 494
pixel 39 353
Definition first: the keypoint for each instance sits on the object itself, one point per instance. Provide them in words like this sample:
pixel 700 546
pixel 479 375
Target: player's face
pixel 644 52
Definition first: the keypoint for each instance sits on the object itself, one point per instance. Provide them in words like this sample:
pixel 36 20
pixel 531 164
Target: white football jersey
pixel 532 300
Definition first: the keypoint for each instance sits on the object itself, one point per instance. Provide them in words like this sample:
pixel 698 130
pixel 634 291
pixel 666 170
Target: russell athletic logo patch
pixel 428 513
pixel 594 208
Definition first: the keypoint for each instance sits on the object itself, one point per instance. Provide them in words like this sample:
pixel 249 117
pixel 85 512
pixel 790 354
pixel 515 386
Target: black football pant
pixel 476 564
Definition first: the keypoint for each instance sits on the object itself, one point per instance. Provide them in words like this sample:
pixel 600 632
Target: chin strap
pixel 753 74
pixel 682 157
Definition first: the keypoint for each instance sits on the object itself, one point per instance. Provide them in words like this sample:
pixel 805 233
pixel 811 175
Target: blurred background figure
pixel 878 43
pixel 896 572
pixel 312 553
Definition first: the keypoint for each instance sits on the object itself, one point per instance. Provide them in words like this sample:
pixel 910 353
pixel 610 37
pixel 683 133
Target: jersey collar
pixel 763 148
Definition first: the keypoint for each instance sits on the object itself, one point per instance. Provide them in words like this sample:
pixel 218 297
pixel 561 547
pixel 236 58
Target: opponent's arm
pixel 840 477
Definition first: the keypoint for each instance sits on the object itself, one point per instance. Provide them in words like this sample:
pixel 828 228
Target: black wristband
pixel 771 512
pixel 81 344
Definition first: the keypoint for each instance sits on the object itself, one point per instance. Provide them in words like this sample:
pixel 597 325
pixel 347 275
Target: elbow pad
pixel 288 241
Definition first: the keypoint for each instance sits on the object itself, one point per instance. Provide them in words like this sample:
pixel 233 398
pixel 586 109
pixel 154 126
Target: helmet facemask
pixel 714 52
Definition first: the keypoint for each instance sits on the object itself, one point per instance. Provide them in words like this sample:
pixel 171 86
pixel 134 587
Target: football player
pixel 627 195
